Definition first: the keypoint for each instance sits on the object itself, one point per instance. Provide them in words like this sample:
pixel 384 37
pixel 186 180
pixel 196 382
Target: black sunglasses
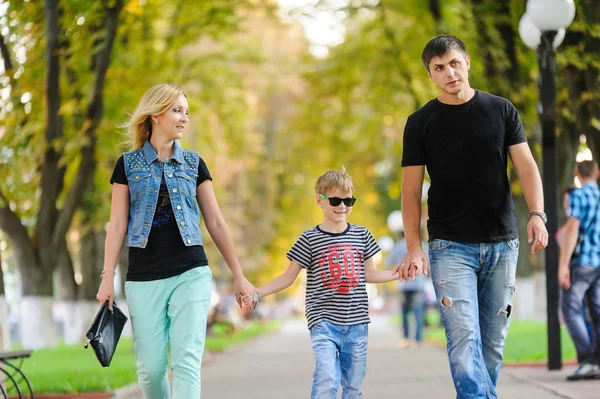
pixel 336 201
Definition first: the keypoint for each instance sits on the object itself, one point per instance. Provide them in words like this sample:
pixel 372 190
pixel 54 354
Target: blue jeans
pixel 413 302
pixel 340 357
pixel 474 285
pixel 585 283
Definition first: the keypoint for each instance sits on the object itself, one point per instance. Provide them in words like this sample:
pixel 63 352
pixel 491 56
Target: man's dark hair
pixel 587 169
pixel 439 46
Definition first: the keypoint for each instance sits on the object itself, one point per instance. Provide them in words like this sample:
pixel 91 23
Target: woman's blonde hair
pixel 334 179
pixel 156 101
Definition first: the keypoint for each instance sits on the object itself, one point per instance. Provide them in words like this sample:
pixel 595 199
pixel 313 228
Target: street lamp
pixel 542 29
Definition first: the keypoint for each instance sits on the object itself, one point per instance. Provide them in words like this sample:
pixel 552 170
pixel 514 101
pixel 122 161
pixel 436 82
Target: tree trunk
pixel 583 81
pixel 65 274
pixel 92 261
pixel 4 325
pixel 37 257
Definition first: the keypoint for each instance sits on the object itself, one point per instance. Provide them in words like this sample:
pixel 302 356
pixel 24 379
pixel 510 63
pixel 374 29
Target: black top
pixel 165 254
pixel 464 148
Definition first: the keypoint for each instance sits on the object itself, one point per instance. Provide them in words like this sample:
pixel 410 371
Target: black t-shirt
pixel 464 148
pixel 165 254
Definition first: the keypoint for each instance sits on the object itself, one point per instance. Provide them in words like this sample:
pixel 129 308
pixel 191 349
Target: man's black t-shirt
pixel 165 254
pixel 464 148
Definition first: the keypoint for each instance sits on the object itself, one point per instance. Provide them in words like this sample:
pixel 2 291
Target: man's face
pixel 450 72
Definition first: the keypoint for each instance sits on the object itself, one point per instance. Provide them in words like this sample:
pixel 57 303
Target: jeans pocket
pixel 139 183
pixel 438 245
pixel 316 327
pixel 186 181
pixel 513 244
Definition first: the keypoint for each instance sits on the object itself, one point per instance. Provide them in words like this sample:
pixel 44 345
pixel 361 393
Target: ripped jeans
pixel 474 285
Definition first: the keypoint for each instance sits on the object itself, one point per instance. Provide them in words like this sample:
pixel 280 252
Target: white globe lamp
pixel 551 15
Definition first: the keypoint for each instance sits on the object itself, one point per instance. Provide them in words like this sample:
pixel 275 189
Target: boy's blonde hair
pixel 334 179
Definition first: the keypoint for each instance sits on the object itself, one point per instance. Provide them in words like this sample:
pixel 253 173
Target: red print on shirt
pixel 339 267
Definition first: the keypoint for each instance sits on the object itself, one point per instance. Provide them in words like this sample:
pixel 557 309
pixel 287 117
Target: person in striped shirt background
pixel 338 259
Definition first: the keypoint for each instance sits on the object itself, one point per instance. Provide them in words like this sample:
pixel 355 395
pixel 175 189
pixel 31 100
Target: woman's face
pixel 171 123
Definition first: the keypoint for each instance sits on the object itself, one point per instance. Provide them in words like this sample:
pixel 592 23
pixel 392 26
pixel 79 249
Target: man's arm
pixel 412 186
pixel 566 251
pixel 528 173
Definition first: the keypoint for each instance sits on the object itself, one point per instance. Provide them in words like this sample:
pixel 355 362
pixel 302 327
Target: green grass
pixel 526 341
pixel 74 369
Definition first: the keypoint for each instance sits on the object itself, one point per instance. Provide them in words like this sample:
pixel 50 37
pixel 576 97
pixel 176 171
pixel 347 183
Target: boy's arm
pixel 280 282
pixel 373 275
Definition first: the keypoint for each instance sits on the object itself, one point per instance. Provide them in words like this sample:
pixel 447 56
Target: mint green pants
pixel 171 311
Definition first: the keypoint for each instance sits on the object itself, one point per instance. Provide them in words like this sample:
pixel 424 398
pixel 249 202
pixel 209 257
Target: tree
pixel 36 249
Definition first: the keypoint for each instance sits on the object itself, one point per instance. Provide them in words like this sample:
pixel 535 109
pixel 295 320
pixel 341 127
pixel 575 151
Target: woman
pixel 157 188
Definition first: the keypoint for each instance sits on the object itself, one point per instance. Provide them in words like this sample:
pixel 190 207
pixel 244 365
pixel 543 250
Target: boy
pixel 338 258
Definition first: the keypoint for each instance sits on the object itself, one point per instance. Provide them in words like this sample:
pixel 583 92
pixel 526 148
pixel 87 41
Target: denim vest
pixel 144 172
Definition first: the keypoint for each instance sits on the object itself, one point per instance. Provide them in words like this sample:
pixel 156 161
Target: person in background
pixel 412 296
pixel 560 239
pixel 579 270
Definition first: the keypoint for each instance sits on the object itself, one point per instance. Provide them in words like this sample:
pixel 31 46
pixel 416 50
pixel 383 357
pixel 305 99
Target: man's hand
pixel 414 263
pixel 564 276
pixel 537 235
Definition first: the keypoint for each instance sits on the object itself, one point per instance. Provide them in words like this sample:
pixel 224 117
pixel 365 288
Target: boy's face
pixel 450 72
pixel 336 214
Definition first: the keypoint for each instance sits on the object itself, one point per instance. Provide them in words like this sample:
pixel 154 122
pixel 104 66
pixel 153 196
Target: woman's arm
pixel 219 231
pixel 115 236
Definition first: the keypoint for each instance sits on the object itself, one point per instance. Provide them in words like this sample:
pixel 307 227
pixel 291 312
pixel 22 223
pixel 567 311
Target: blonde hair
pixel 334 179
pixel 156 101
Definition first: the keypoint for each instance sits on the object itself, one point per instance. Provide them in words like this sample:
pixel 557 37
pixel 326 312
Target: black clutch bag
pixel 105 332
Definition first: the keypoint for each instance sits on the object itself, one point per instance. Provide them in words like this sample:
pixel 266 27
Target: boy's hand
pixel 250 301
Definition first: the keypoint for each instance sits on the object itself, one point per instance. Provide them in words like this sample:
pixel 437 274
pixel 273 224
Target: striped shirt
pixel 335 273
pixel 584 205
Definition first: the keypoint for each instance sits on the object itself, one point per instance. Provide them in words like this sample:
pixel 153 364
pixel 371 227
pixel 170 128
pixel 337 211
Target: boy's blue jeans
pixel 474 286
pixel 585 282
pixel 340 358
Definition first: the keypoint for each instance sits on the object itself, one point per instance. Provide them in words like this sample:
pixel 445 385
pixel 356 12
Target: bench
pixel 10 364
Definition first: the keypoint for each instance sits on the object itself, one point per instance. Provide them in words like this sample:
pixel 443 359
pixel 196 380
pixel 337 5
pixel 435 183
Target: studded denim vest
pixel 144 172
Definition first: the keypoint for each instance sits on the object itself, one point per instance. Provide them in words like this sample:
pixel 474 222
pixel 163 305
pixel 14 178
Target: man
pixel 464 137
pixel 579 270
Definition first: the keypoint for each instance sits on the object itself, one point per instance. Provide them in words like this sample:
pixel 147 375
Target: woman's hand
pixel 106 290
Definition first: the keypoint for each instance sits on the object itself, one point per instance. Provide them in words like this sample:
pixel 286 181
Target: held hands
pixel 537 235
pixel 250 301
pixel 243 288
pixel 414 263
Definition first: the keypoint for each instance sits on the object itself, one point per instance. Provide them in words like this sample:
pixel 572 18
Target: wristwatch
pixel 540 214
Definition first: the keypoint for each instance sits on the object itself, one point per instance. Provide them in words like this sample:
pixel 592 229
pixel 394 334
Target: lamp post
pixel 542 28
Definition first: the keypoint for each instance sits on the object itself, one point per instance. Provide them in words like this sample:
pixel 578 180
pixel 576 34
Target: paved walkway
pixel 280 366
